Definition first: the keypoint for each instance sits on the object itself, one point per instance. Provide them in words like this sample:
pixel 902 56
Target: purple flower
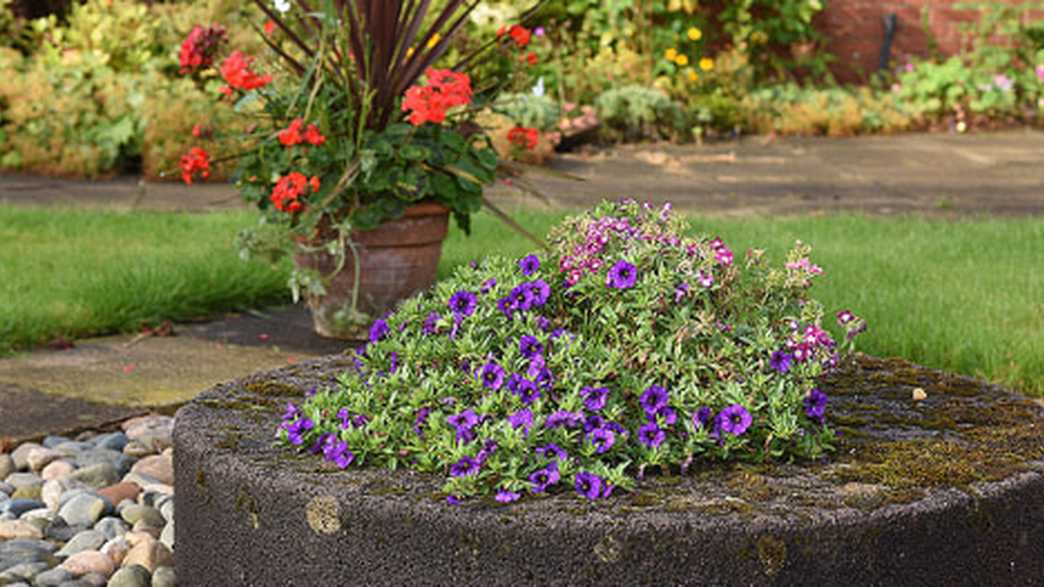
pixel 602 439
pixel 563 418
pixel 529 265
pixel 815 405
pixel 338 453
pixel 552 452
pixel 488 285
pixel 454 499
pixel 525 389
pixel 320 443
pixel 492 376
pixel 507 307
pixel 296 430
pixel 780 361
pixel 592 422
pixel 463 303
pixel 622 275
pixel 291 412
pixel 521 297
pixel 680 291
pixel 705 279
pixel 544 478
pixel 543 323
pixel 419 420
pixel 654 398
pixel 488 448
pixel 701 417
pixel 595 397
pixel 539 292
pixel 521 419
pixel 802 352
pixel 378 330
pixel 844 317
pixel 506 496
pixel 464 423
pixel 465 467
pixel 431 324
pixel 664 415
pixel 540 32
pixel 530 347
pixel 734 420
pixel 589 485
pixel 651 435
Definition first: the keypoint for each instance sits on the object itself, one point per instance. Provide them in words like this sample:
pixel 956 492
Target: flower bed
pixel 630 346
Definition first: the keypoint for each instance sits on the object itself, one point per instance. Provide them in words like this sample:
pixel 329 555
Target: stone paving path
pixel 998 173
pixel 114 377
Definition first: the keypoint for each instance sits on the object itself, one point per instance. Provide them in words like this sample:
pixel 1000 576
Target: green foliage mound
pixel 629 346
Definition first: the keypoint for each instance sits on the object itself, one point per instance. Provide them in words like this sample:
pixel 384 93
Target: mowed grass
pixel 74 274
pixel 965 296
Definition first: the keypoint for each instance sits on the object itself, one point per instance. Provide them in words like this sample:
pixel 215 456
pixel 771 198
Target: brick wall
pixel 855 31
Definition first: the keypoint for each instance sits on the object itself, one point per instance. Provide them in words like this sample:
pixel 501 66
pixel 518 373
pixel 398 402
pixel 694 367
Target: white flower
pixel 539 89
pixel 282 6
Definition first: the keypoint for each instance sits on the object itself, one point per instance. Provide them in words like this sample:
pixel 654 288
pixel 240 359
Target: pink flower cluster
pixel 804 344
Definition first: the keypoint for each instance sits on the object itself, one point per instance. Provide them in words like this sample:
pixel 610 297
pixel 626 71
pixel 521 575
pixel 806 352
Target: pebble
pixel 86 540
pixel 919 394
pixel 38 458
pixel 131 576
pixel 19 506
pixel 97 475
pixel 53 577
pixel 163 577
pixel 95 510
pixel 20 455
pixel 87 562
pixel 159 467
pixel 7 466
pixel 83 509
pixel 149 554
pixel 15 529
pixel 19 480
pixel 57 470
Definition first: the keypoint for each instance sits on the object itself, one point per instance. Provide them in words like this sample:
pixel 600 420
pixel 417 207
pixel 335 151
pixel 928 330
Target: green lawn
pixel 965 296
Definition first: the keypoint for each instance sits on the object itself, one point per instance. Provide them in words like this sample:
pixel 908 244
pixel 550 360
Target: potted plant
pixel 363 145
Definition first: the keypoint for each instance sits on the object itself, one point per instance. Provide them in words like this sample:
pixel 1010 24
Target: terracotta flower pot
pixel 396 260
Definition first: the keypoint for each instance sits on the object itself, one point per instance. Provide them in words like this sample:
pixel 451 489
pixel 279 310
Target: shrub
pixel 529 110
pixel 635 112
pixel 627 347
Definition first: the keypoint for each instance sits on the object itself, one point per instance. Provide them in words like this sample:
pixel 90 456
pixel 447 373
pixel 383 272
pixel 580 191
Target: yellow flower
pixel 434 40
pixel 682 60
pixel 670 54
pixel 706 64
pixel 695 34
pixel 409 52
pixel 693 76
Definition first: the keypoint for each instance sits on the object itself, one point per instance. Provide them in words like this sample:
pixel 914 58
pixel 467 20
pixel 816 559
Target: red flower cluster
pixel 518 33
pixel 236 71
pixel 523 137
pixel 290 188
pixel 197 50
pixel 196 160
pixel 292 135
pixel 445 90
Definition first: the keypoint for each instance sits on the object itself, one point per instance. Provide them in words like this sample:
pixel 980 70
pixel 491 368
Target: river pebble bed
pixel 90 510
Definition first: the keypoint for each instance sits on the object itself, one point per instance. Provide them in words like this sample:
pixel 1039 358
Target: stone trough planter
pixel 948 490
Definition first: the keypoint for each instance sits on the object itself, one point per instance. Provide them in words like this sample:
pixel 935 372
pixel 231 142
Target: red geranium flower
pixel 445 90
pixel 532 58
pixel 196 160
pixel 197 50
pixel 269 26
pixel 236 71
pixel 313 137
pixel 523 137
pixel 520 35
pixel 288 190
pixel 291 135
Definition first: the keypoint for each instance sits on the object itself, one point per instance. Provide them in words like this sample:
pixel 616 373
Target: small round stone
pixel 38 458
pixel 86 540
pixel 116 549
pixel 22 572
pixel 112 441
pixel 112 527
pixel 19 480
pixel 20 455
pixel 53 577
pixel 57 470
pixel 158 467
pixel 7 466
pixel 15 529
pixel 19 506
pixel 167 536
pixel 163 577
pixel 83 509
pixel 97 475
pixel 53 441
pixel 135 513
pixel 131 576
pixel 87 562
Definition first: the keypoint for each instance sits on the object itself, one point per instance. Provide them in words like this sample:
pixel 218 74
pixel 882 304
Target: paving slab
pixel 27 413
pixel 936 174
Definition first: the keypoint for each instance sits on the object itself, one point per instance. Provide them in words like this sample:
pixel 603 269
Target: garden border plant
pixel 629 347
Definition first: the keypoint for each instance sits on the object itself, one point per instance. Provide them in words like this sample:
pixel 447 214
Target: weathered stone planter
pixel 945 491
